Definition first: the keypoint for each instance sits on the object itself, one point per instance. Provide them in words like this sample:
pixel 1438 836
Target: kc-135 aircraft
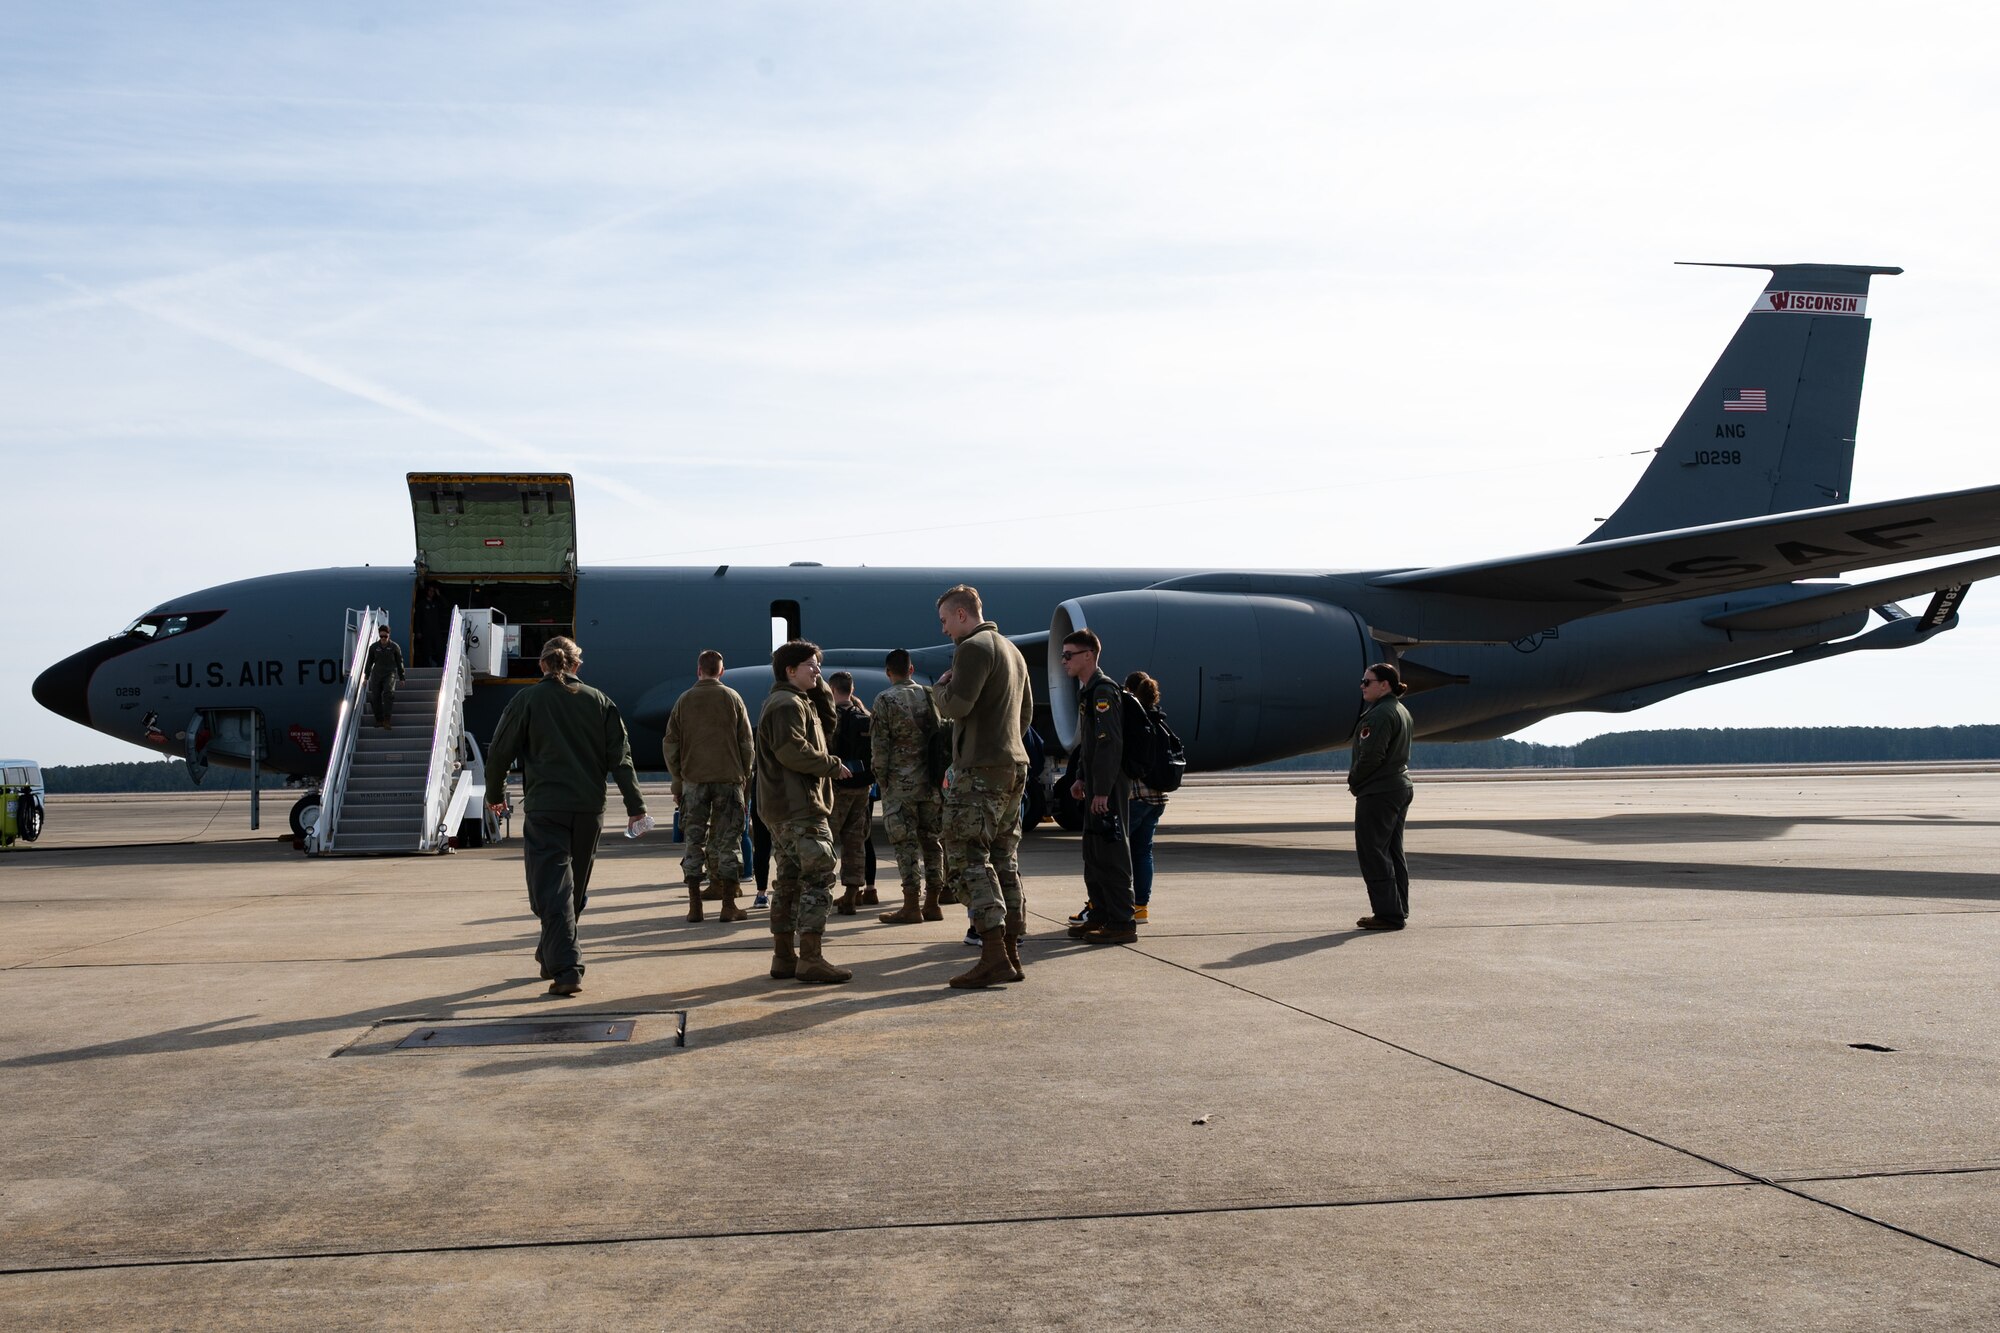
pixel 1714 568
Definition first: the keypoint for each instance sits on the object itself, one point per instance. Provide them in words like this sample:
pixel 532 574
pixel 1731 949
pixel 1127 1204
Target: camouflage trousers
pixel 916 826
pixel 982 843
pixel 712 830
pixel 850 833
pixel 801 874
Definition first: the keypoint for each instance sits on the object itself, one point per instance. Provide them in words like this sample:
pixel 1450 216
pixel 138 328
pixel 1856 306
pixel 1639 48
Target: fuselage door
pixel 497 526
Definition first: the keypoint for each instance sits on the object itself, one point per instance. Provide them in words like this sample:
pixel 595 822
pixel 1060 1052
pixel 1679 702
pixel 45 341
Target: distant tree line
pixel 1618 749
pixel 149 775
pixel 1706 745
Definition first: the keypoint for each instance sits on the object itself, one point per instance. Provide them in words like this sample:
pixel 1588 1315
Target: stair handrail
pixel 446 733
pixel 361 626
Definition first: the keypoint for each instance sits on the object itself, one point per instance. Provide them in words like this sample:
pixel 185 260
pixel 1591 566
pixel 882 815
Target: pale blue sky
pixel 766 269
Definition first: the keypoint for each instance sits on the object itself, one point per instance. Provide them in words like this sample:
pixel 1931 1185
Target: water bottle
pixel 644 826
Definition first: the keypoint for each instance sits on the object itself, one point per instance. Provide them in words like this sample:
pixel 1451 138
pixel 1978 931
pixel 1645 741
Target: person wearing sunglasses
pixel 1378 774
pixel 1097 767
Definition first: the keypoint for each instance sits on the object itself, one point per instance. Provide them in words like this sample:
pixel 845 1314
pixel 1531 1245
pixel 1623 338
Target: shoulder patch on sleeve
pixel 1366 732
pixel 1103 705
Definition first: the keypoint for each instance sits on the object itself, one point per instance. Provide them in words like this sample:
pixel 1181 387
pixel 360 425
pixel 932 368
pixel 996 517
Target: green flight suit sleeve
pixel 618 746
pixel 1104 739
pixel 400 677
pixel 1369 751
pixel 505 748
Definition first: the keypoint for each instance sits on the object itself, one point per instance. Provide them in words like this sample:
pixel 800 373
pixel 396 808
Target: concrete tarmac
pixel 1617 1074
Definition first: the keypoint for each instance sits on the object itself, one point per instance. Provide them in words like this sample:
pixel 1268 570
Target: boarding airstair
pixel 414 787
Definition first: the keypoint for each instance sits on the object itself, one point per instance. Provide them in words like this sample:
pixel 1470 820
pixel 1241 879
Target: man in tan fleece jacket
pixel 986 693
pixel 708 750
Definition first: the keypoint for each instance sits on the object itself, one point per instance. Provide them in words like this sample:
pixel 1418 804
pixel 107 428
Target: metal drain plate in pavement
pixel 518 1034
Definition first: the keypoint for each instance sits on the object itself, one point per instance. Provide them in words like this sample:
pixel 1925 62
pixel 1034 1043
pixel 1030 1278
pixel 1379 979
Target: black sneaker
pixel 1380 923
pixel 1082 918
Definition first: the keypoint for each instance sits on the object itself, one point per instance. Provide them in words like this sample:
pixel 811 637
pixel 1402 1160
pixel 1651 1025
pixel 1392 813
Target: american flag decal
pixel 1746 400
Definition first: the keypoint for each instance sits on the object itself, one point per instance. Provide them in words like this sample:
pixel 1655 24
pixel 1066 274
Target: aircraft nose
pixel 65 687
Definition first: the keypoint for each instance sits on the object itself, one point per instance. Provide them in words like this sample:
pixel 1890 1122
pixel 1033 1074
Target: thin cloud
pixel 286 357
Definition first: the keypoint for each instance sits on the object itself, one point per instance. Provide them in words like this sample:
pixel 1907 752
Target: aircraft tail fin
pixel 1771 429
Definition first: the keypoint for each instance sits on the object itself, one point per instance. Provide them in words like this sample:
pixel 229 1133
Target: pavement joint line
pixel 36 963
pixel 862 1228
pixel 1908 1173
pixel 1748 1175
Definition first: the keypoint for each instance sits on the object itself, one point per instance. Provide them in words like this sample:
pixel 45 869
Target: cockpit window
pixel 160 626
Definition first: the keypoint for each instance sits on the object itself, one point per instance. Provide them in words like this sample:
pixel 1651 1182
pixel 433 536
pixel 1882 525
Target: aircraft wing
pixel 1725 557
pixel 1844 599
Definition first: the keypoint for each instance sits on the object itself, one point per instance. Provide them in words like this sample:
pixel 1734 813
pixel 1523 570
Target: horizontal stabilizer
pixel 1832 602
pixel 1726 557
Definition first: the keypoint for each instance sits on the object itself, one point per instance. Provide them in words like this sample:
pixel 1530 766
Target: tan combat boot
pixel 1017 926
pixel 992 968
pixel 932 912
pixel 784 963
pixel 908 914
pixel 730 911
pixel 813 969
pixel 694 900
pixel 868 898
pixel 844 904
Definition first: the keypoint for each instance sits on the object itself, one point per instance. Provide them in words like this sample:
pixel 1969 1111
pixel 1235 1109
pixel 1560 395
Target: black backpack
pixel 1169 763
pixel 1153 754
pixel 850 745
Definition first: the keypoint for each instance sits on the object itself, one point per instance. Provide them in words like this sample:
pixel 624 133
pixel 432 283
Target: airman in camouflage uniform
pixel 709 750
pixel 795 775
pixel 986 693
pixel 912 807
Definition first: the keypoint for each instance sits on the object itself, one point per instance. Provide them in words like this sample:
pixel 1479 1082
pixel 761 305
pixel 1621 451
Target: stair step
pixel 374 843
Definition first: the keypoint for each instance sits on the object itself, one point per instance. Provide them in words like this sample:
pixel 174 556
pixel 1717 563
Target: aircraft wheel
pixel 31 819
pixel 305 814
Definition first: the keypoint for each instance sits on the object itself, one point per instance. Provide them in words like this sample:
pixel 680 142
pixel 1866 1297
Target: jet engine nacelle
pixel 1245 678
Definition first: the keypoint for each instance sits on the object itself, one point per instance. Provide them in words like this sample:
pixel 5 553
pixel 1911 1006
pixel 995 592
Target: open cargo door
pixel 494 526
pixel 501 540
